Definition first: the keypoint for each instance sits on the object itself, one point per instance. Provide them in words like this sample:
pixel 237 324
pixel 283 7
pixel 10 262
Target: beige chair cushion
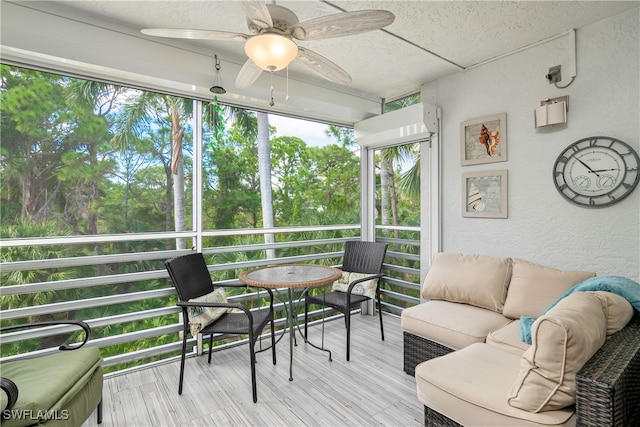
pixel 534 288
pixel 366 288
pixel 618 310
pixel 478 280
pixel 470 387
pixel 563 340
pixel 451 324
pixel 508 339
pixel 199 317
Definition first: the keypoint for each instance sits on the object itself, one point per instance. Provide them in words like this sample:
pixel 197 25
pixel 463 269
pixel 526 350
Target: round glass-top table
pixel 291 276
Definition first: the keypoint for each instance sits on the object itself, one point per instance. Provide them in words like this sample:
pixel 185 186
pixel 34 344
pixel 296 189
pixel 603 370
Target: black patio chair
pixel 359 257
pixel 191 279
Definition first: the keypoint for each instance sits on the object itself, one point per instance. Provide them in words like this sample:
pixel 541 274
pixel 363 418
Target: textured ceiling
pixel 427 40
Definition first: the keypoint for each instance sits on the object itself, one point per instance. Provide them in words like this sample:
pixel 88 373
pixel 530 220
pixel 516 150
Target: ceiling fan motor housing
pixel 283 19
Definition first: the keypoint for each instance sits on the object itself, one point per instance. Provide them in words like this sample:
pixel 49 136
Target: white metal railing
pixel 152 329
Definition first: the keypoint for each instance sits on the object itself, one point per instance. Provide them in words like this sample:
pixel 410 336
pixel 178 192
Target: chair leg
pixel 273 341
pixel 306 317
pixel 253 370
pixel 184 351
pixel 210 346
pixel 380 313
pixel 99 414
pixel 347 317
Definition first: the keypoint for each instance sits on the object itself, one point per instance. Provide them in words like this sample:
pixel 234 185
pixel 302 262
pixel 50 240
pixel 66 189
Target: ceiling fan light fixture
pixel 271 52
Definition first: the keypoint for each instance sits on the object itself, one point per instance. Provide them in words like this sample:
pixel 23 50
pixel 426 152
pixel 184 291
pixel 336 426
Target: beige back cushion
pixel 478 280
pixel 534 288
pixel 563 340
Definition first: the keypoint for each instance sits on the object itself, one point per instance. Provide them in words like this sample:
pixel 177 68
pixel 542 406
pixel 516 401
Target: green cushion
pixel 50 383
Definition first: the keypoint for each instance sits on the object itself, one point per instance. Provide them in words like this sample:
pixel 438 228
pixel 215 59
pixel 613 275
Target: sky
pixel 310 132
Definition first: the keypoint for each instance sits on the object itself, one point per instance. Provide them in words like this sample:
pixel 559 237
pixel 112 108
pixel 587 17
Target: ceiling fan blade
pixel 183 33
pixel 248 74
pixel 322 66
pixel 257 13
pixel 342 24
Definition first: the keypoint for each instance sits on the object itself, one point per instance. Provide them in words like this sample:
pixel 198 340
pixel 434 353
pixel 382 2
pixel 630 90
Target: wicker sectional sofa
pixel 582 366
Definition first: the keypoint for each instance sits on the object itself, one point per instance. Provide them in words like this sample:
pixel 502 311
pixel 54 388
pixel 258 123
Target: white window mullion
pixel 197 173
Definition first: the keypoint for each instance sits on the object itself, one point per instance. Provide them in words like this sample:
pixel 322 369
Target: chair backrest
pixel 364 257
pixel 190 275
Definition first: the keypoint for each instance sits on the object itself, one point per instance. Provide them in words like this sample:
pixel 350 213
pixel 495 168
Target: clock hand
pixel 588 167
pixel 604 170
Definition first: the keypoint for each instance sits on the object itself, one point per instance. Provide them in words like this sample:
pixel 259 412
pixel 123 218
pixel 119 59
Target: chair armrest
pixel 232 285
pixel 85 327
pixel 10 390
pixel 607 386
pixel 243 285
pixel 211 305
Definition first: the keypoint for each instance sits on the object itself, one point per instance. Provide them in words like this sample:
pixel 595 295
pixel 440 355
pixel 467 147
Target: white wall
pixel 542 226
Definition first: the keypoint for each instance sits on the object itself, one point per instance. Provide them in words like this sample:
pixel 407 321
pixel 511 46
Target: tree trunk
pixel 393 193
pixel 384 193
pixel 177 168
pixel 169 202
pixel 264 168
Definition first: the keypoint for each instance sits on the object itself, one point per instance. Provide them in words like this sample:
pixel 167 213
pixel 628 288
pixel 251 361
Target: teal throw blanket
pixel 622 286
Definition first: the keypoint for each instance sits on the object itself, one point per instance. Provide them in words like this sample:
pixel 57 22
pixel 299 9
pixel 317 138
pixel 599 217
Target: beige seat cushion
pixel 478 280
pixel 534 288
pixel 563 340
pixel 451 324
pixel 470 386
pixel 508 339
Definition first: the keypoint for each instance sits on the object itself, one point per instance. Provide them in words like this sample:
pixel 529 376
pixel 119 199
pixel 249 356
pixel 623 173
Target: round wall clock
pixel 596 171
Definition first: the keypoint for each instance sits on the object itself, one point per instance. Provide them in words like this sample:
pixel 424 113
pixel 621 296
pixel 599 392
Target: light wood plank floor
pixel 370 390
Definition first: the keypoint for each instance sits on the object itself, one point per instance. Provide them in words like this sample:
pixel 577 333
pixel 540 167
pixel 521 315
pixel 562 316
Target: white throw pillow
pixel 199 317
pixel 366 288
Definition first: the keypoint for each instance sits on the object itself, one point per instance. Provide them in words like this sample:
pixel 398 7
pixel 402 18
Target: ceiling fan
pixel 270 46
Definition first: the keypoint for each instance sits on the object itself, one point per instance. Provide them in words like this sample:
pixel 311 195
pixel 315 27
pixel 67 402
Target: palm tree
pixel 243 119
pixel 264 167
pixel 142 112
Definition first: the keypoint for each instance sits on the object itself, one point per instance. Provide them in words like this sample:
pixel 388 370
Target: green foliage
pixel 402 102
pixel 88 158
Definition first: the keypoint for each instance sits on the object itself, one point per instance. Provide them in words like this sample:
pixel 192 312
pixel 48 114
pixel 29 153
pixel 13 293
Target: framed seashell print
pixel 484 194
pixel 484 140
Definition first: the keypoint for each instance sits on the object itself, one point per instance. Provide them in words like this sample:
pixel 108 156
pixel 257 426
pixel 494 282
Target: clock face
pixel 596 171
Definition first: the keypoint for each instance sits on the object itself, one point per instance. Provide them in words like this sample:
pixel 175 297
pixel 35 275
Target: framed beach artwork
pixel 484 194
pixel 484 140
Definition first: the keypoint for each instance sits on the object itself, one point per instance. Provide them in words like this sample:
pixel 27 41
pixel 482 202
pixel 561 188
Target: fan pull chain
pixel 287 93
pixel 271 89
